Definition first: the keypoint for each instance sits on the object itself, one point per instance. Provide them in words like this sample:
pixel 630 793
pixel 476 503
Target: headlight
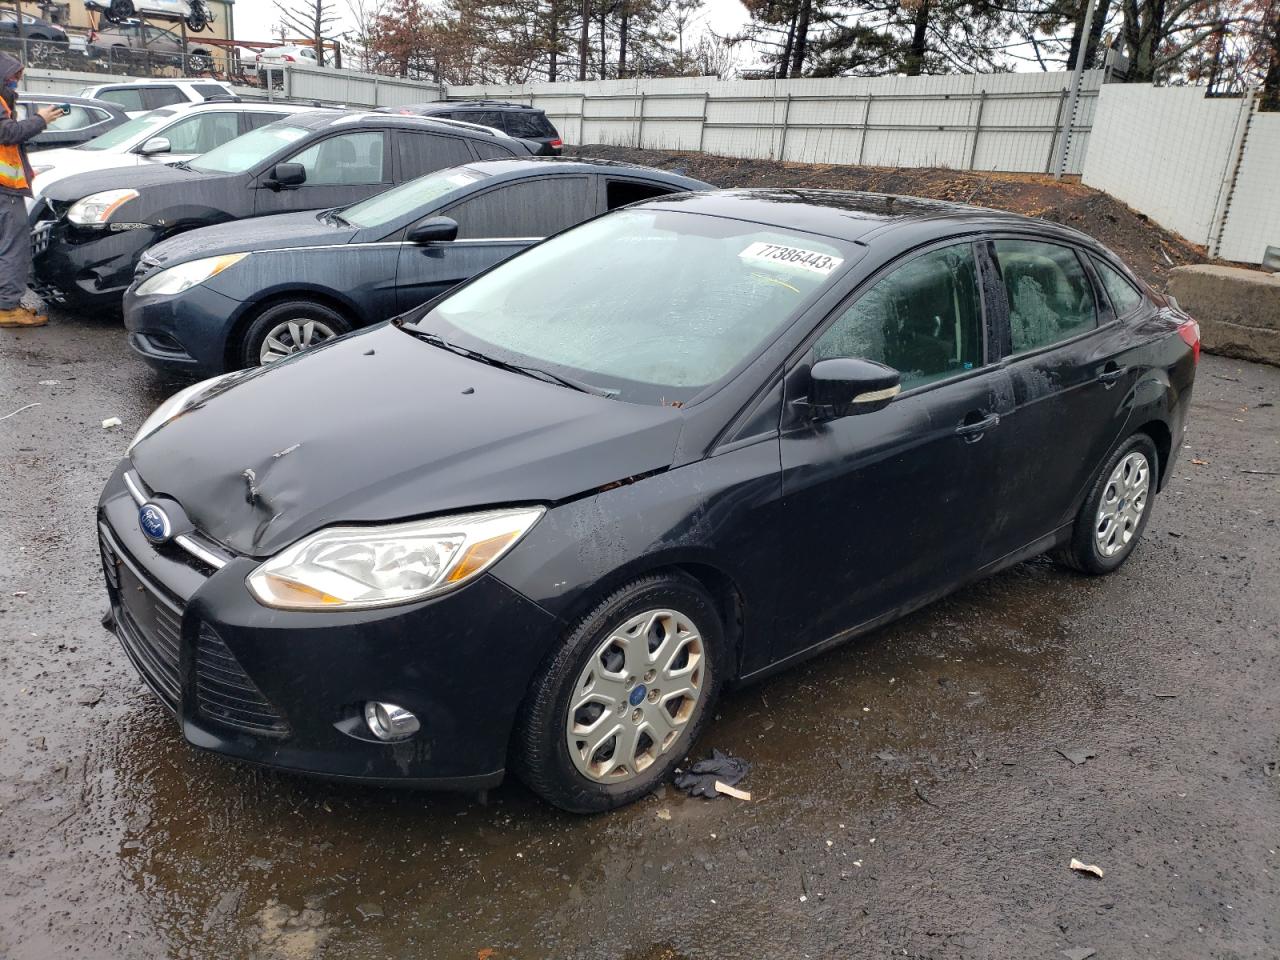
pixel 186 275
pixel 345 568
pixel 174 407
pixel 96 209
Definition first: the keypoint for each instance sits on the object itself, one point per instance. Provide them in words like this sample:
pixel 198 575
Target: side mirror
pixel 433 230
pixel 155 145
pixel 288 175
pixel 844 386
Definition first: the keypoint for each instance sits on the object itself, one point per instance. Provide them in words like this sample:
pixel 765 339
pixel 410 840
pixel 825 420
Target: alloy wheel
pixel 635 695
pixel 293 336
pixel 1124 500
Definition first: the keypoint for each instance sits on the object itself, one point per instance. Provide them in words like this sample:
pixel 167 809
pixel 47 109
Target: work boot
pixel 22 317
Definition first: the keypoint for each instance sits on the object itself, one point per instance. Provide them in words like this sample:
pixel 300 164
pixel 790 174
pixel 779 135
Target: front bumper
pixel 187 333
pixel 286 689
pixel 90 269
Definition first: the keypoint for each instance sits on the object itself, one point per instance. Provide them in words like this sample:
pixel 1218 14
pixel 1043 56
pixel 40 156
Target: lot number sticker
pixel 798 257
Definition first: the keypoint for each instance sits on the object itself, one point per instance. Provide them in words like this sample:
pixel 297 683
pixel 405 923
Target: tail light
pixel 289 59
pixel 1189 331
pixel 557 144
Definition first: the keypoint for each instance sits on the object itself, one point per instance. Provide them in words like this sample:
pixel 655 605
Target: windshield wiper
pixel 536 372
pixel 182 164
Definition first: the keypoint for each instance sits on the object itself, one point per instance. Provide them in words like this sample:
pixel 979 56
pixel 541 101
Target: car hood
pixel 379 426
pixel 148 175
pixel 304 229
pixel 72 162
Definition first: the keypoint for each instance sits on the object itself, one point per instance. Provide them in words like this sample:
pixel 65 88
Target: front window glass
pixel 407 197
pixel 124 99
pixel 238 155
pixel 202 132
pixel 654 305
pixel 351 159
pixel 1050 298
pixel 141 128
pixel 924 319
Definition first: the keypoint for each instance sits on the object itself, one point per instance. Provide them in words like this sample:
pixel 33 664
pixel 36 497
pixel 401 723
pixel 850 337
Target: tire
pixel 542 755
pixel 326 324
pixel 200 62
pixel 1100 544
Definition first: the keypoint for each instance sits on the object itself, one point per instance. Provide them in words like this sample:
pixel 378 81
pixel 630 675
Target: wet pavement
pixel 909 796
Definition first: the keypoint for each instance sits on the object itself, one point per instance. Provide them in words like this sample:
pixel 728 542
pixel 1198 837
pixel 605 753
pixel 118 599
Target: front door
pixel 341 169
pixel 891 507
pixel 492 226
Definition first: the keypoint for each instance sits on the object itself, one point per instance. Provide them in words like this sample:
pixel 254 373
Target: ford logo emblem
pixel 155 523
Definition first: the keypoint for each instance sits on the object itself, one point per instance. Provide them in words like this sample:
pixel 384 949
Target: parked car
pixel 216 299
pixel 527 123
pixel 135 42
pixel 85 120
pixel 550 515
pixel 168 135
pixel 46 42
pixel 139 96
pixel 273 58
pixel 93 227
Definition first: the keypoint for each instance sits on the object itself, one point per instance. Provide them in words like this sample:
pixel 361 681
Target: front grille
pixel 149 625
pixel 226 694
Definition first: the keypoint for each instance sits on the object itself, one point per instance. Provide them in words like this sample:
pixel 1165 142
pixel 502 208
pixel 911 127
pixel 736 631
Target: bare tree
pixel 311 18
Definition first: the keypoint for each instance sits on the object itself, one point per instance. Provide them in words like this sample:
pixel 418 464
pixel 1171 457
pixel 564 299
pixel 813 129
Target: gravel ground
pixel 909 796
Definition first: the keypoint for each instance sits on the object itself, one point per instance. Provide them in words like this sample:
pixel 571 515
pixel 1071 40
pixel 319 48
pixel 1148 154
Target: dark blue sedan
pixel 225 297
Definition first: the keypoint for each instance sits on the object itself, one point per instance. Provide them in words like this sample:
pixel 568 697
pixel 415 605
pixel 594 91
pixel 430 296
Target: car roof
pixel 406 121
pixel 521 166
pixel 446 105
pixel 44 97
pixel 850 214
pixel 158 82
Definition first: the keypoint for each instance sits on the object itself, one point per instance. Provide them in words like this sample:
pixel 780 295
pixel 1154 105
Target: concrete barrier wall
pixel 1004 122
pixel 1238 309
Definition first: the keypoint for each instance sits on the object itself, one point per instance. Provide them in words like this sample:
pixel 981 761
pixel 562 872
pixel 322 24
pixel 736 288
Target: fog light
pixel 389 722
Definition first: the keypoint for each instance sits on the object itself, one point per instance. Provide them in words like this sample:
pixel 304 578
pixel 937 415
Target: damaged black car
pixel 545 519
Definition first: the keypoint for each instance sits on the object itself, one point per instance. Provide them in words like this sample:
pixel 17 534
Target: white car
pixel 168 135
pixel 274 58
pixel 137 97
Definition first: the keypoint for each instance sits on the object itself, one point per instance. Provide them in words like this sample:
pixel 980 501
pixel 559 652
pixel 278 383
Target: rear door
pixel 1068 359
pixel 492 225
pixel 889 508
pixel 341 168
pixel 420 152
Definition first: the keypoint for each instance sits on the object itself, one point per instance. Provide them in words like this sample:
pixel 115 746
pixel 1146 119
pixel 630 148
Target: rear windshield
pixel 137 129
pixel 244 153
pixel 407 197
pixel 529 123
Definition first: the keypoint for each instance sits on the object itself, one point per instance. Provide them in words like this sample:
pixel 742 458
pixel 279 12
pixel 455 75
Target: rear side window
pixel 1050 297
pixel 163 96
pixel 529 123
pixel 924 319
pixel 619 193
pixel 1124 298
pixel 255 120
pixel 486 118
pixel 128 99
pixel 492 150
pixel 427 152
pixel 208 90
pixel 349 159
pixel 533 208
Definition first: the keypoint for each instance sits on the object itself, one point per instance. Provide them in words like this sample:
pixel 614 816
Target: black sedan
pixel 223 297
pixel 86 119
pixel 552 514
pixel 93 227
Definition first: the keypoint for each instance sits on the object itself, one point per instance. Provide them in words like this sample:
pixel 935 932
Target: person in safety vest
pixel 15 185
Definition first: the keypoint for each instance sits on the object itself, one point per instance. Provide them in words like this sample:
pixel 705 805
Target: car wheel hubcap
pixel 1124 500
pixel 635 696
pixel 293 336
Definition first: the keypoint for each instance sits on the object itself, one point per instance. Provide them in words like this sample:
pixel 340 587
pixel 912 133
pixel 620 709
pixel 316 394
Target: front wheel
pixel 1115 512
pixel 616 708
pixel 287 328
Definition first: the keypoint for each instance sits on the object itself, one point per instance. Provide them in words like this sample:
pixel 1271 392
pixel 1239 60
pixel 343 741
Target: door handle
pixel 1111 375
pixel 972 432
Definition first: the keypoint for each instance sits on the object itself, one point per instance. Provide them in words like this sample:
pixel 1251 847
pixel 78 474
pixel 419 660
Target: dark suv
pixel 527 123
pixel 95 226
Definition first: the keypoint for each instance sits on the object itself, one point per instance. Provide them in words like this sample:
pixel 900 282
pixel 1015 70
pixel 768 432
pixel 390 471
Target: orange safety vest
pixel 13 175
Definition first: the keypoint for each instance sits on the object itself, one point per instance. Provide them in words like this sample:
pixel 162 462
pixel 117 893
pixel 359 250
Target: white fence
pixel 1208 168
pixel 301 83
pixel 982 122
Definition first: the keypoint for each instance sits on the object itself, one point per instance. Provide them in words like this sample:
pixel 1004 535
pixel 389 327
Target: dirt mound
pixel 1149 249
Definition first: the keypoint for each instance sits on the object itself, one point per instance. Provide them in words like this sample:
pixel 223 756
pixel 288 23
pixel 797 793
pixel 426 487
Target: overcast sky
pixel 255 20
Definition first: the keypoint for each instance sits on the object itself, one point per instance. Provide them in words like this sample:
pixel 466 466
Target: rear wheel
pixel 284 329
pixel 1115 512
pixel 620 703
